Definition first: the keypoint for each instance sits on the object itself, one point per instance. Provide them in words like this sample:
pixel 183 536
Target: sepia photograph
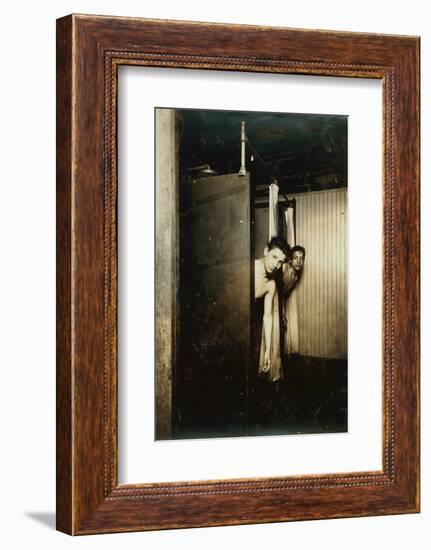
pixel 251 273
pixel 237 274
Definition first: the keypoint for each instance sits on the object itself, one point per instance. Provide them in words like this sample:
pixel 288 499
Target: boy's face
pixel 273 259
pixel 297 261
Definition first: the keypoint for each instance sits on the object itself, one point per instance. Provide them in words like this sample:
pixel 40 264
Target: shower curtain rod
pixel 262 202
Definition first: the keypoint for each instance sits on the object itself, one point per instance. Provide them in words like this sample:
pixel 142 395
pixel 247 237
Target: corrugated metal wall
pixel 321 227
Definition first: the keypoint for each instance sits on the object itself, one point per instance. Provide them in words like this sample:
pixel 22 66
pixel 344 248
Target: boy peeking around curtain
pixel 266 270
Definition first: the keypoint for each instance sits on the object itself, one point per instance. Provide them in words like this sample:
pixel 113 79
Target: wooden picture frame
pixel 89 51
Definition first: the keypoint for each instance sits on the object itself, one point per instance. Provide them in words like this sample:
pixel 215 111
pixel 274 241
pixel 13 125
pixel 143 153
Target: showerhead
pixel 202 171
pixel 206 172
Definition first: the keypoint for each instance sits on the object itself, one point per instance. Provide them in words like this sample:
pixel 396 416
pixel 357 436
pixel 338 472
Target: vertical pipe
pixel 242 170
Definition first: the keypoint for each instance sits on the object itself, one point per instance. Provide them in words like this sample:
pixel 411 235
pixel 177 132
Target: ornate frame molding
pixel 89 499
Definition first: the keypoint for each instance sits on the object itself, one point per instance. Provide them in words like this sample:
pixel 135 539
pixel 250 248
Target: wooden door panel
pixel 214 308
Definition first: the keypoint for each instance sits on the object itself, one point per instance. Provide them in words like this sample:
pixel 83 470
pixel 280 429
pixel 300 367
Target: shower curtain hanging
pixel 275 371
pixel 290 306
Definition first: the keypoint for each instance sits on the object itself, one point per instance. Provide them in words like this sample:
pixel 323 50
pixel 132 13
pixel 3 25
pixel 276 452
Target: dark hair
pixel 281 243
pixel 298 248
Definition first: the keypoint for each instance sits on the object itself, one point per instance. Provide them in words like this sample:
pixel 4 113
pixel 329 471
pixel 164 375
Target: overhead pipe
pixel 244 140
pixel 265 166
pixel 242 170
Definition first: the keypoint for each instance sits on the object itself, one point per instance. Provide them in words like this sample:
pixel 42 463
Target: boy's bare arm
pixel 267 323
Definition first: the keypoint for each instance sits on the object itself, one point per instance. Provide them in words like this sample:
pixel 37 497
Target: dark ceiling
pixel 303 152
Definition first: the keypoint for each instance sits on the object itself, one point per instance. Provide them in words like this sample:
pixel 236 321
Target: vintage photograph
pixel 251 273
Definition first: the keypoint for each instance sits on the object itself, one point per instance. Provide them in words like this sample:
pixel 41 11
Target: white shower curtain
pixel 273 210
pixel 275 371
pixel 291 337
